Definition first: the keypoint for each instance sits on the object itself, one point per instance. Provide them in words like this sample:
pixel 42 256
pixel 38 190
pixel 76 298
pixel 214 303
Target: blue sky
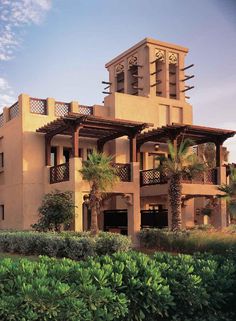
pixel 59 48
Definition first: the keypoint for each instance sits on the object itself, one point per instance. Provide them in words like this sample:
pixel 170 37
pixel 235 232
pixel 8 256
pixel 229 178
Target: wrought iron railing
pixel 59 173
pixel 62 109
pixel 14 111
pixel 152 177
pixel 123 171
pixel 38 106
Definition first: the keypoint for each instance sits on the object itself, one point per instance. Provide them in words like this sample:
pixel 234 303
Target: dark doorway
pixel 66 154
pixel 116 221
pixel 154 218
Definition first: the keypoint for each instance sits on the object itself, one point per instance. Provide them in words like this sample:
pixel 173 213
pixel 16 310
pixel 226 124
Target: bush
pixel 108 243
pixel 57 209
pixel 71 245
pixel 188 241
pixel 123 287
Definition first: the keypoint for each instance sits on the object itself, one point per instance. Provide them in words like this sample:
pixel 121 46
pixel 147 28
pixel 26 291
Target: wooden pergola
pixel 198 134
pixel 101 129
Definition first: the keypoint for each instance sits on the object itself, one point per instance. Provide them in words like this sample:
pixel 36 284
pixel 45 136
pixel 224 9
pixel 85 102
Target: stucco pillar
pixel 24 105
pixel 51 107
pixel 60 157
pixel 134 215
pixel 221 175
pixel 76 180
pixel 221 214
pixel 74 107
pixel 188 213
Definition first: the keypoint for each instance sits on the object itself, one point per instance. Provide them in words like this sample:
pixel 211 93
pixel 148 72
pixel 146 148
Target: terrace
pixel 176 133
pixel 100 129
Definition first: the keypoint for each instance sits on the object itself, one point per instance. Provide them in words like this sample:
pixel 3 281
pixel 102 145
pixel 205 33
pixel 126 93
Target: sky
pixel 58 48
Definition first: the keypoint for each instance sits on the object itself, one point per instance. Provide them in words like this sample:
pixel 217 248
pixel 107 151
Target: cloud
pixel 6 94
pixel 14 15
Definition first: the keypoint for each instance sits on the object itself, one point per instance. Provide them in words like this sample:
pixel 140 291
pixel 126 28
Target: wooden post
pixel 48 150
pixel 100 146
pixel 133 148
pixel 219 154
pixel 75 141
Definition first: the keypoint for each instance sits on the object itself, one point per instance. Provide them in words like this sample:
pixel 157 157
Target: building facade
pixel 43 143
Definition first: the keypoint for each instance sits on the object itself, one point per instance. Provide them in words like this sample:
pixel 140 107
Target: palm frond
pixel 184 147
pixel 172 150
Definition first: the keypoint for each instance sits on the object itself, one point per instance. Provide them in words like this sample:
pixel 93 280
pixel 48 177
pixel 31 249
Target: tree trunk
pixel 94 214
pixel 174 192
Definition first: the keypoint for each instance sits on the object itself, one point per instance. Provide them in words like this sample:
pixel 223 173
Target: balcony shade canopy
pixel 178 132
pixel 103 129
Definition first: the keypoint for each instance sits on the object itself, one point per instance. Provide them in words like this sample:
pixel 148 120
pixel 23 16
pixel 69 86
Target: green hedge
pixel 75 246
pixel 188 241
pixel 124 287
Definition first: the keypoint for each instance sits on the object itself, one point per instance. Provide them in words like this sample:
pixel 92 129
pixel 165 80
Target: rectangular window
pixel 2 214
pixel 1 160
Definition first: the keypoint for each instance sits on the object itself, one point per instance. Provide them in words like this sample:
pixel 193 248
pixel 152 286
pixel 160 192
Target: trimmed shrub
pixel 108 243
pixel 188 241
pixel 75 246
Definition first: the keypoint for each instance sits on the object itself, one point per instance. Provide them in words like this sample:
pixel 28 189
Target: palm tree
pixel 180 164
pixel 101 175
pixel 229 191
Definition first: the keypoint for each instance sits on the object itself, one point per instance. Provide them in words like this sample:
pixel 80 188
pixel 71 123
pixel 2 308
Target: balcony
pixel 123 171
pixel 61 173
pixel 153 177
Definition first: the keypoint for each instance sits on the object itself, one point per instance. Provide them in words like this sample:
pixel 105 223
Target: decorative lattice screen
pixel 38 106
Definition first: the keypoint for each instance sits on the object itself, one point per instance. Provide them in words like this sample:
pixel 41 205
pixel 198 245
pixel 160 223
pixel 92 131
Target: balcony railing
pixel 14 111
pixel 208 177
pixel 59 173
pixel 123 171
pixel 38 106
pixel 153 177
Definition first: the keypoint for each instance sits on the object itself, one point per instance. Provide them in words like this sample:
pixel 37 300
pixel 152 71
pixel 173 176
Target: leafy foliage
pixel 101 175
pixel 122 287
pixel 57 209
